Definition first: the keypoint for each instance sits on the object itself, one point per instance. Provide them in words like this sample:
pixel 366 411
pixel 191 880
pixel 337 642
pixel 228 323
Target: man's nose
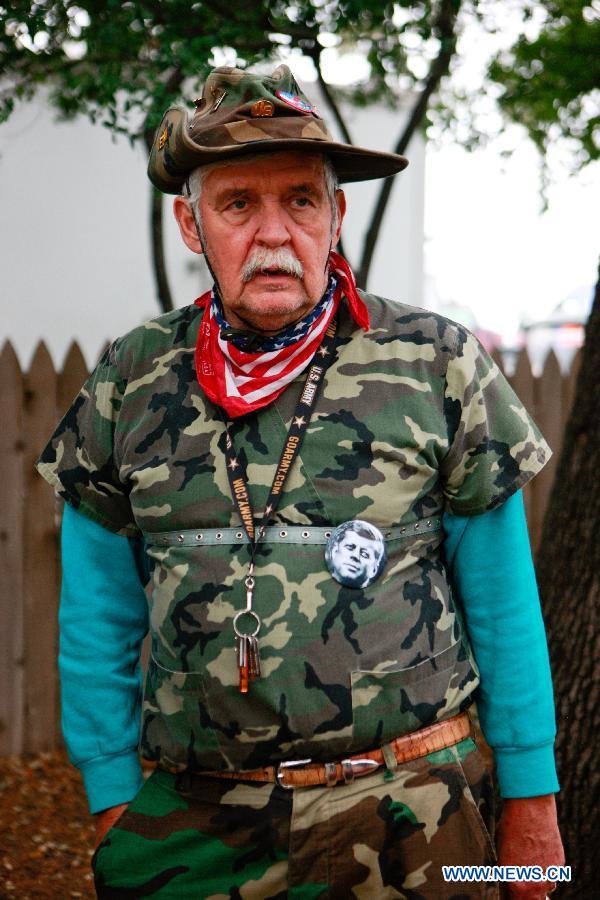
pixel 272 229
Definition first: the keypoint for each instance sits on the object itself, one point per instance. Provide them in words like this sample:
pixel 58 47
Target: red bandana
pixel 240 381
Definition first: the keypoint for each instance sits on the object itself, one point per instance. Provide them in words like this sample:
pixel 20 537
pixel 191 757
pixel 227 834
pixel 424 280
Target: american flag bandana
pixel 241 380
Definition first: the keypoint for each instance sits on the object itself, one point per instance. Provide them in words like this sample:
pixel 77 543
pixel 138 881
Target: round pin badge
pixel 295 101
pixel 355 553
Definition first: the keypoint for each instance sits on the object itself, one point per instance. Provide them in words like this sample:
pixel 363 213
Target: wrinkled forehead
pixel 265 169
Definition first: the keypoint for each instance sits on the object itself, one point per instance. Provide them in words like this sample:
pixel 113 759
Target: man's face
pixel 355 557
pixel 248 210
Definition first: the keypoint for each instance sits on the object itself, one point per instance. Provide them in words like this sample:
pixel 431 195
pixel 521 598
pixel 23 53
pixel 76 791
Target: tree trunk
pixel 163 291
pixel 568 570
pixel 161 278
pixel 159 266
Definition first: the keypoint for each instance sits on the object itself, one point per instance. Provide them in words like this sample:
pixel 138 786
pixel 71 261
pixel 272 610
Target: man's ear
pixel 187 226
pixel 340 199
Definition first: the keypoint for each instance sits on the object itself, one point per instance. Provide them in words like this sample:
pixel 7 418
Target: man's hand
pixel 528 835
pixel 106 819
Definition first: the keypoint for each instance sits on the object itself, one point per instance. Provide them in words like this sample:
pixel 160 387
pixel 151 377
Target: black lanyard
pixel 247 645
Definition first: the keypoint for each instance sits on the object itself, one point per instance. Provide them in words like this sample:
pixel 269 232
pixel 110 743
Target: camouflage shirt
pixel 414 418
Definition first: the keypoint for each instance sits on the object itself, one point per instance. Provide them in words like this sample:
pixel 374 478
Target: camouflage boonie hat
pixel 244 112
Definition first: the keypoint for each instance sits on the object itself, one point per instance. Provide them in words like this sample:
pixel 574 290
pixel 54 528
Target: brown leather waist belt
pixel 304 773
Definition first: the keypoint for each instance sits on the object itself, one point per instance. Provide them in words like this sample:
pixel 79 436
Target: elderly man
pixel 310 737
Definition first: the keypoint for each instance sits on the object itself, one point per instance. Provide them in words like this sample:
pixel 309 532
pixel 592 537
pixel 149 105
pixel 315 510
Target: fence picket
pixel 40 552
pixel 11 553
pixel 74 373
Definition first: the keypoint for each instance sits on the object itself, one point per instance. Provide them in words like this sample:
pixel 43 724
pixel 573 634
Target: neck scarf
pixel 240 378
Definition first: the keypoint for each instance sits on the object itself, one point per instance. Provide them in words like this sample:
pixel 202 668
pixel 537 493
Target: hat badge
pixel 297 102
pixel 164 137
pixel 262 108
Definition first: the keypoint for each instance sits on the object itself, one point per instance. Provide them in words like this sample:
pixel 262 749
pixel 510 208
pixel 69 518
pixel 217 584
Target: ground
pixel 46 832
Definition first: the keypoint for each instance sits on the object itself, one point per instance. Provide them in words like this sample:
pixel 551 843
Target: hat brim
pixel 170 165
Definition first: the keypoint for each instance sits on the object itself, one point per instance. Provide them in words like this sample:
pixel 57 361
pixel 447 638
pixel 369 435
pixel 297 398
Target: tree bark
pixel 568 568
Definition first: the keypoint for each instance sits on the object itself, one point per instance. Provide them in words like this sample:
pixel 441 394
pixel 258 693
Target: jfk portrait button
pixel 355 553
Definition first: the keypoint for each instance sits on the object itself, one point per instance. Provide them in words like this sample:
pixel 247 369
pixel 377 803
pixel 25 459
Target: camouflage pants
pixel 384 836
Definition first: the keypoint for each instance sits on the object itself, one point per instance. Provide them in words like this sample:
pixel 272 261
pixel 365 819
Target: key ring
pixel 246 612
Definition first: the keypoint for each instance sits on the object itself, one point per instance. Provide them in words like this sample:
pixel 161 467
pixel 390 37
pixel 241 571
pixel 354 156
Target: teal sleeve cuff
pixel 110 780
pixel 527 772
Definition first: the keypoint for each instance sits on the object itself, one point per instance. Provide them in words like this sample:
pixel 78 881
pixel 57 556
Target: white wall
pixel 74 232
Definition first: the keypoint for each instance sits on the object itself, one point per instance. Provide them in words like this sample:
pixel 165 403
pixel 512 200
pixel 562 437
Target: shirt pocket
pixel 176 730
pixel 386 704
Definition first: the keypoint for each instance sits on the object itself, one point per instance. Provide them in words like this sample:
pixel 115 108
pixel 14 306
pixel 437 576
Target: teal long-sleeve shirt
pixel 104 618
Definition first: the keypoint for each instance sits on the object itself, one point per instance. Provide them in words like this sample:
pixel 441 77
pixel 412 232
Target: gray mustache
pixel 282 259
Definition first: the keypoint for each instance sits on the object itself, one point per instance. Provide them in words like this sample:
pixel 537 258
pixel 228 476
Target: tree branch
pixel 223 10
pixel 446 23
pixel 228 13
pixel 315 55
pixel 243 44
pixel 163 290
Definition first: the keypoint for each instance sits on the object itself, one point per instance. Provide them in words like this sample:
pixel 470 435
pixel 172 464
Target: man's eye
pixel 302 202
pixel 239 204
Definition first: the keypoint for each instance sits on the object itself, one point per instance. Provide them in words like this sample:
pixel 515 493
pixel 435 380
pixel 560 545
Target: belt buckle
pixel 288 765
pixel 350 768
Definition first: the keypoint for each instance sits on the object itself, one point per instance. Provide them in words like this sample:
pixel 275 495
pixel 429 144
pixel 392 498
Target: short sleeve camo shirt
pixel 414 418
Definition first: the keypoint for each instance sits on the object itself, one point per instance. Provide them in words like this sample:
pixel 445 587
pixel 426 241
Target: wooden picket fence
pixel 31 403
